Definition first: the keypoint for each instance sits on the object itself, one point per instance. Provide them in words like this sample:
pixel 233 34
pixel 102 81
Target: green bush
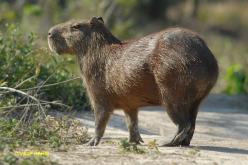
pixel 236 80
pixel 28 68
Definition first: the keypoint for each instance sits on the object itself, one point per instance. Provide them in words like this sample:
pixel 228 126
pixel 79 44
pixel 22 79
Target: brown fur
pixel 173 68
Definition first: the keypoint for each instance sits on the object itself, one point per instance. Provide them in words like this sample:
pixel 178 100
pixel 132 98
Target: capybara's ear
pixel 100 19
pixel 96 21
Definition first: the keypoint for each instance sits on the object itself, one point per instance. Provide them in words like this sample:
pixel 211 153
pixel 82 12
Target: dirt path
pixel 221 137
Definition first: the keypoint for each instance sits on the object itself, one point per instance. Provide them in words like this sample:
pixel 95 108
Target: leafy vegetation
pixel 28 68
pixel 236 80
pixel 32 83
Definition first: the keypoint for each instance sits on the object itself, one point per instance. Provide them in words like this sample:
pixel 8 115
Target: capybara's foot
pixel 182 138
pixel 136 138
pixel 172 143
pixel 175 144
pixel 94 141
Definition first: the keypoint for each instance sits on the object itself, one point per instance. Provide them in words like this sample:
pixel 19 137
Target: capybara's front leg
pixel 101 118
pixel 132 124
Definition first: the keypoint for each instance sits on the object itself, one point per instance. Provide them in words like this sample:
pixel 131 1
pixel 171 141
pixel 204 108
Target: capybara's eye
pixel 76 26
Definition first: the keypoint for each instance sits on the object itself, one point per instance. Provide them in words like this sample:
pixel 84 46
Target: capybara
pixel 173 68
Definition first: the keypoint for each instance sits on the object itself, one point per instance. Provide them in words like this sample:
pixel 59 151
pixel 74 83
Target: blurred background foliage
pixel 24 52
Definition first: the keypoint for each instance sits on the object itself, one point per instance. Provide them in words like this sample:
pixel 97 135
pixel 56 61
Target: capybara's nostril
pixel 51 33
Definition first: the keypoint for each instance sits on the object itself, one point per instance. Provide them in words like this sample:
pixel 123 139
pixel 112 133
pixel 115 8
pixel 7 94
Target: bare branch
pixel 44 103
pixel 21 92
pixel 54 84
pixel 25 94
pixel 24 81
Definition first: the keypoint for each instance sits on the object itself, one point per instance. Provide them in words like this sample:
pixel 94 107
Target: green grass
pixel 127 147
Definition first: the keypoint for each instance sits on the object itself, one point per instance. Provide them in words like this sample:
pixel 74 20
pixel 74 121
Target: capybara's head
pixel 76 37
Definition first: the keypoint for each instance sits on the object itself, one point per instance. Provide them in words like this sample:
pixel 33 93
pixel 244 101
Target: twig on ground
pixel 25 94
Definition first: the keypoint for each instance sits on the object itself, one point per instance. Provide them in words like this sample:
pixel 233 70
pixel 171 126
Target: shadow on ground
pixel 224 149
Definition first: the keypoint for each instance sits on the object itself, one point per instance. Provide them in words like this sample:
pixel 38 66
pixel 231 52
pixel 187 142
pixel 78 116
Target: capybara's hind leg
pixel 193 115
pixel 132 125
pixel 101 118
pixel 180 115
pixel 184 116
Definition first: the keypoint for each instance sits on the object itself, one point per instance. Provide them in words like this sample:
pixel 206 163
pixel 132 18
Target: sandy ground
pixel 221 137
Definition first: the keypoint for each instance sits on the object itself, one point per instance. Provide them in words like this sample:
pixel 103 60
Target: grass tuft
pixel 127 147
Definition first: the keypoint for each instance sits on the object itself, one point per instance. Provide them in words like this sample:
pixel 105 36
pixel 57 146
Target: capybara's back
pixel 173 68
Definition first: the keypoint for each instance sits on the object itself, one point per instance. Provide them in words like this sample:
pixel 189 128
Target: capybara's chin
pixel 58 46
pixel 173 68
pixel 53 47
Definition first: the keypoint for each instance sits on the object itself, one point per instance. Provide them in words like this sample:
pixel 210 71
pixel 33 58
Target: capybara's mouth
pixel 52 45
pixel 55 46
